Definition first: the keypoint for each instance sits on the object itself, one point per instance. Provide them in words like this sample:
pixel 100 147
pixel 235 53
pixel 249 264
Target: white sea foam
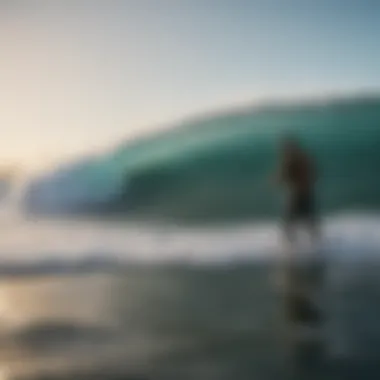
pixel 345 236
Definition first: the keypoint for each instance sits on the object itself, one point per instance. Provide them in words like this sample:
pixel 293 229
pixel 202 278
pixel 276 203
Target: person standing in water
pixel 297 173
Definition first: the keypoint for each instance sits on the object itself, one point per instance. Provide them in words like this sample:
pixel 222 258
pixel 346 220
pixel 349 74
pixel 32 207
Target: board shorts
pixel 300 207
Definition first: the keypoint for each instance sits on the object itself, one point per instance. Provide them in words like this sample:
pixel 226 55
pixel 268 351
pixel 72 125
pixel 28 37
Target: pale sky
pixel 77 75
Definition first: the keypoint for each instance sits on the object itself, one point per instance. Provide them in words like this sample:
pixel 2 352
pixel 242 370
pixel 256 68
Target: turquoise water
pixel 190 301
pixel 216 168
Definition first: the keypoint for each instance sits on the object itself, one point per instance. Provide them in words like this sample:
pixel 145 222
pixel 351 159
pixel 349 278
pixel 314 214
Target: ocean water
pixel 158 293
pixel 216 168
pixel 177 303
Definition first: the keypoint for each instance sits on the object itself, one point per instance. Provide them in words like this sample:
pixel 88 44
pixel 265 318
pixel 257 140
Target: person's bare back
pixel 297 173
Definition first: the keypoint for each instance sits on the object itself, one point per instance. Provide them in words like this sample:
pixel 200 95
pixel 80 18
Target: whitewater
pixel 195 242
pixel 186 303
pixel 198 192
pixel 346 235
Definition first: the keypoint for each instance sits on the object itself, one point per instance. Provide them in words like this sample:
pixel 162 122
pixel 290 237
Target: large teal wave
pixel 216 168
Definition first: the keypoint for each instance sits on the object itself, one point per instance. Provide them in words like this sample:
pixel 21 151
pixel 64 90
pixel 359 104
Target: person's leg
pixel 289 221
pixel 306 213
